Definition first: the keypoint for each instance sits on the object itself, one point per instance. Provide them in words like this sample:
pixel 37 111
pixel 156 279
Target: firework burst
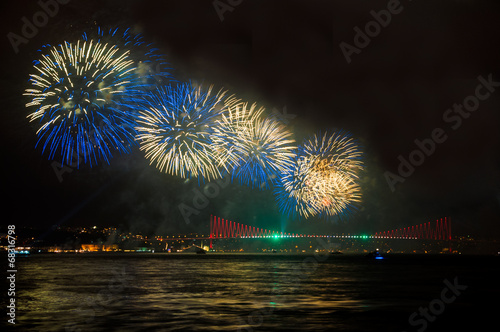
pixel 323 178
pixel 257 149
pixel 79 92
pixel 293 192
pixel 176 129
pixel 152 69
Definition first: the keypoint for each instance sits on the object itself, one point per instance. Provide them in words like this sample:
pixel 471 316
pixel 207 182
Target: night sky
pixel 282 54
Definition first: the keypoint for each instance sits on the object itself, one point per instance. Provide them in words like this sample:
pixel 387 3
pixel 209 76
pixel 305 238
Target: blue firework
pixel 291 190
pixel 84 96
pixel 175 129
pixel 257 148
pixel 151 65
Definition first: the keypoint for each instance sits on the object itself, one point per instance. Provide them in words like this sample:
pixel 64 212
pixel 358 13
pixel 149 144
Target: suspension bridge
pixel 221 228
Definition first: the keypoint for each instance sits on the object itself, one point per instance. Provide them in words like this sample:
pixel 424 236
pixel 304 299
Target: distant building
pixel 99 247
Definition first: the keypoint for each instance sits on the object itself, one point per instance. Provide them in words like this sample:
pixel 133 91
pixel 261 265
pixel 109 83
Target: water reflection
pixel 222 292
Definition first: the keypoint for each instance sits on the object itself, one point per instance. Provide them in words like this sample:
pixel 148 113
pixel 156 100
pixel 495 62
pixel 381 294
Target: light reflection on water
pixel 163 292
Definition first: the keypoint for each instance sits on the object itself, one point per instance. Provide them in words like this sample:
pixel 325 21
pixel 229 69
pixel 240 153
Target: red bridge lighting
pixel 221 228
pixel 440 230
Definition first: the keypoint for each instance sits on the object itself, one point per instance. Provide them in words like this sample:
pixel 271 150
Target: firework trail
pixel 258 149
pixel 176 126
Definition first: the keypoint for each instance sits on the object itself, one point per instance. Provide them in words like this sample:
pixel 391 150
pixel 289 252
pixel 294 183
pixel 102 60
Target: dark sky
pixel 282 54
